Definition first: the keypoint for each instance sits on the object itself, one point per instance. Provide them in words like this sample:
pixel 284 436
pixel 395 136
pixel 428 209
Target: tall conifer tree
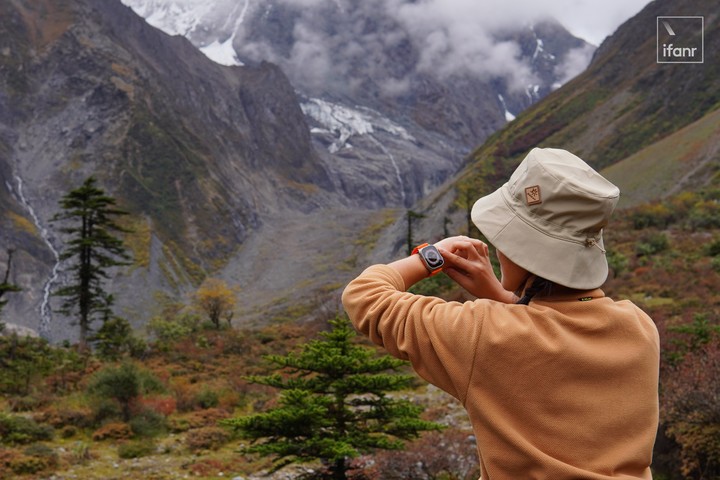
pixel 5 285
pixel 333 405
pixel 92 250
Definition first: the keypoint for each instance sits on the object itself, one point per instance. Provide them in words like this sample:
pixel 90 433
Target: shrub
pixel 68 431
pixel 15 429
pixel 116 431
pixel 712 249
pixel 165 405
pixel 27 403
pixel 136 449
pixel 168 331
pixel 80 453
pixel 148 423
pixel 652 244
pixel 61 417
pixel 715 264
pixel 124 384
pixel 705 214
pixel 7 455
pixel 207 398
pixel 208 438
pixel 433 286
pixel 44 452
pixel 617 262
pixel 651 215
pixel 25 361
pixel 429 457
pixel 690 402
pixel 209 467
pixel 199 419
pixel 25 465
pixel 105 409
pixel 115 339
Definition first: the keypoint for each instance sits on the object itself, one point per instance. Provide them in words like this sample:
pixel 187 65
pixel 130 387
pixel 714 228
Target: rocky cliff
pixel 391 89
pixel 226 170
pixel 198 152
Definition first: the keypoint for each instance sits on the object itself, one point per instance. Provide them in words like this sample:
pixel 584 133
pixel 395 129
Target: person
pixel 558 380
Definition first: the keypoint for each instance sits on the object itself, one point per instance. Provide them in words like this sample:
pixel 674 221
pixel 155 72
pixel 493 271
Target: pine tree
pixel 92 250
pixel 6 286
pixel 333 406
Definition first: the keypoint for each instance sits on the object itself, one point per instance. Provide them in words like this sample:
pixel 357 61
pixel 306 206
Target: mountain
pixel 651 128
pixel 235 172
pixel 230 171
pixel 385 83
pixel 198 152
pixel 626 105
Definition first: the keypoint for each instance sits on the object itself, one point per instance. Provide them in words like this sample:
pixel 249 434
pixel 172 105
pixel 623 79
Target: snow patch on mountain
pixel 174 17
pixel 343 122
pixel 508 115
pixel 222 53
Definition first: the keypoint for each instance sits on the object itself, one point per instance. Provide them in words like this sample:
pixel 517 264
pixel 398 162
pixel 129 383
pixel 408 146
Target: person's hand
pixel 467 262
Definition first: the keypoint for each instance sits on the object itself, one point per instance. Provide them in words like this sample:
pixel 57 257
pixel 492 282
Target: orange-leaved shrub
pixel 690 409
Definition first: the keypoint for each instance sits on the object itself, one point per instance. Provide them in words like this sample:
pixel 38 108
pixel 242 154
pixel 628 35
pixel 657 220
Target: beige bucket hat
pixel 548 218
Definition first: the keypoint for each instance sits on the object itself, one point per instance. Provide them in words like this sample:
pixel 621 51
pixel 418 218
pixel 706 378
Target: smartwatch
pixel 431 257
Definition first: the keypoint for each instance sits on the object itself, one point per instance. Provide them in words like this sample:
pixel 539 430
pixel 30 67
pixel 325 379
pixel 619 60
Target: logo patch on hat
pixel 532 195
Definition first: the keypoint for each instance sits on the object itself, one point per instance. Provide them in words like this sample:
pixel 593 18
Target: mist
pixel 329 41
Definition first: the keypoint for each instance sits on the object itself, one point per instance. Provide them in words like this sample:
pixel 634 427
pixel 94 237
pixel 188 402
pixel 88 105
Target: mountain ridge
pixel 227 174
pixel 203 155
pixel 88 102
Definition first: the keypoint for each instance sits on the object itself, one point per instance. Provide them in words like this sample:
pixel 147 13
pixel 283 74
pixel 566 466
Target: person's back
pixel 560 382
pixel 566 388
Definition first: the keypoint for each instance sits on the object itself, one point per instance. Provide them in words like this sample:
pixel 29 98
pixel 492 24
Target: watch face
pixel 432 257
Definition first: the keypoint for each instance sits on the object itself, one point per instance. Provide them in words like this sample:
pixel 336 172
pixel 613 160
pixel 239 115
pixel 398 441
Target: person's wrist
pixel 411 269
pixel 430 257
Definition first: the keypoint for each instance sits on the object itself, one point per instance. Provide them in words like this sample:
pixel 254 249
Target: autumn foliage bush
pixel 207 438
pixel 164 405
pixel 113 431
pixel 60 417
pixel 448 455
pixel 690 403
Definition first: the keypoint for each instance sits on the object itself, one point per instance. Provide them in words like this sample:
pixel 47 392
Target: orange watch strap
pixel 417 249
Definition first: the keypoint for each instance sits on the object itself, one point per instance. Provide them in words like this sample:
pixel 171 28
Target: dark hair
pixel 540 286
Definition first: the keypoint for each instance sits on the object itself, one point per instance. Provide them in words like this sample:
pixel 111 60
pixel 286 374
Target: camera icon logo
pixel 680 39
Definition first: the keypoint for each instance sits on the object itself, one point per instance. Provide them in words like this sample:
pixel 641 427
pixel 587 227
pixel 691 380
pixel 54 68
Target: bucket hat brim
pixel 567 262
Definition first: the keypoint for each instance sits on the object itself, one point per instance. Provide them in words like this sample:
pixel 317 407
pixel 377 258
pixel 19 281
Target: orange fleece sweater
pixel 559 389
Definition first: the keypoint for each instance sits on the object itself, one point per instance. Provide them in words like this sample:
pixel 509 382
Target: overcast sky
pixel 591 20
pixel 452 36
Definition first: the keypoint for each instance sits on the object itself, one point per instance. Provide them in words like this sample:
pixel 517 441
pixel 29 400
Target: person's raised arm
pixel 411 269
pixel 467 262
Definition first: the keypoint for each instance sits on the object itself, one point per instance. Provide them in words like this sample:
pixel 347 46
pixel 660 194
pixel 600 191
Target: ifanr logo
pixel 681 39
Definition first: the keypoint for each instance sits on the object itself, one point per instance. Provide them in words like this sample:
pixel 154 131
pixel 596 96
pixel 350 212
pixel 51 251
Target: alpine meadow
pixel 187 187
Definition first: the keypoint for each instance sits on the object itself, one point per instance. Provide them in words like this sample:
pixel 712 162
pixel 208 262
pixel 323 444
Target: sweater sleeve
pixel 439 338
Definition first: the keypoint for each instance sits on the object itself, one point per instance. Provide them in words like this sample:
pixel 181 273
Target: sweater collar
pixel 569 295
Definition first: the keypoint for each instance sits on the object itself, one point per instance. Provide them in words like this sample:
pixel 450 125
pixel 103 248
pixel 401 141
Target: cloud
pixel 574 63
pixel 387 42
pixel 458 39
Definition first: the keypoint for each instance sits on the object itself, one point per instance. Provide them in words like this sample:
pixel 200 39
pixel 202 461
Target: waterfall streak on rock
pixel 45 312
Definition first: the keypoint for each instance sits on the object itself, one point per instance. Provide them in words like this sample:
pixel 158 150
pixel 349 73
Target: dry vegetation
pixel 60 420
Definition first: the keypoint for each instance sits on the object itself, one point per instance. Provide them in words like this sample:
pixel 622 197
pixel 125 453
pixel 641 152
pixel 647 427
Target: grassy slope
pixel 622 103
pixel 679 161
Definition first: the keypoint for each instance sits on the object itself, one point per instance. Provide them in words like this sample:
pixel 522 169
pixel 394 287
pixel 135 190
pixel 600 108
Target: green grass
pixel 654 171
